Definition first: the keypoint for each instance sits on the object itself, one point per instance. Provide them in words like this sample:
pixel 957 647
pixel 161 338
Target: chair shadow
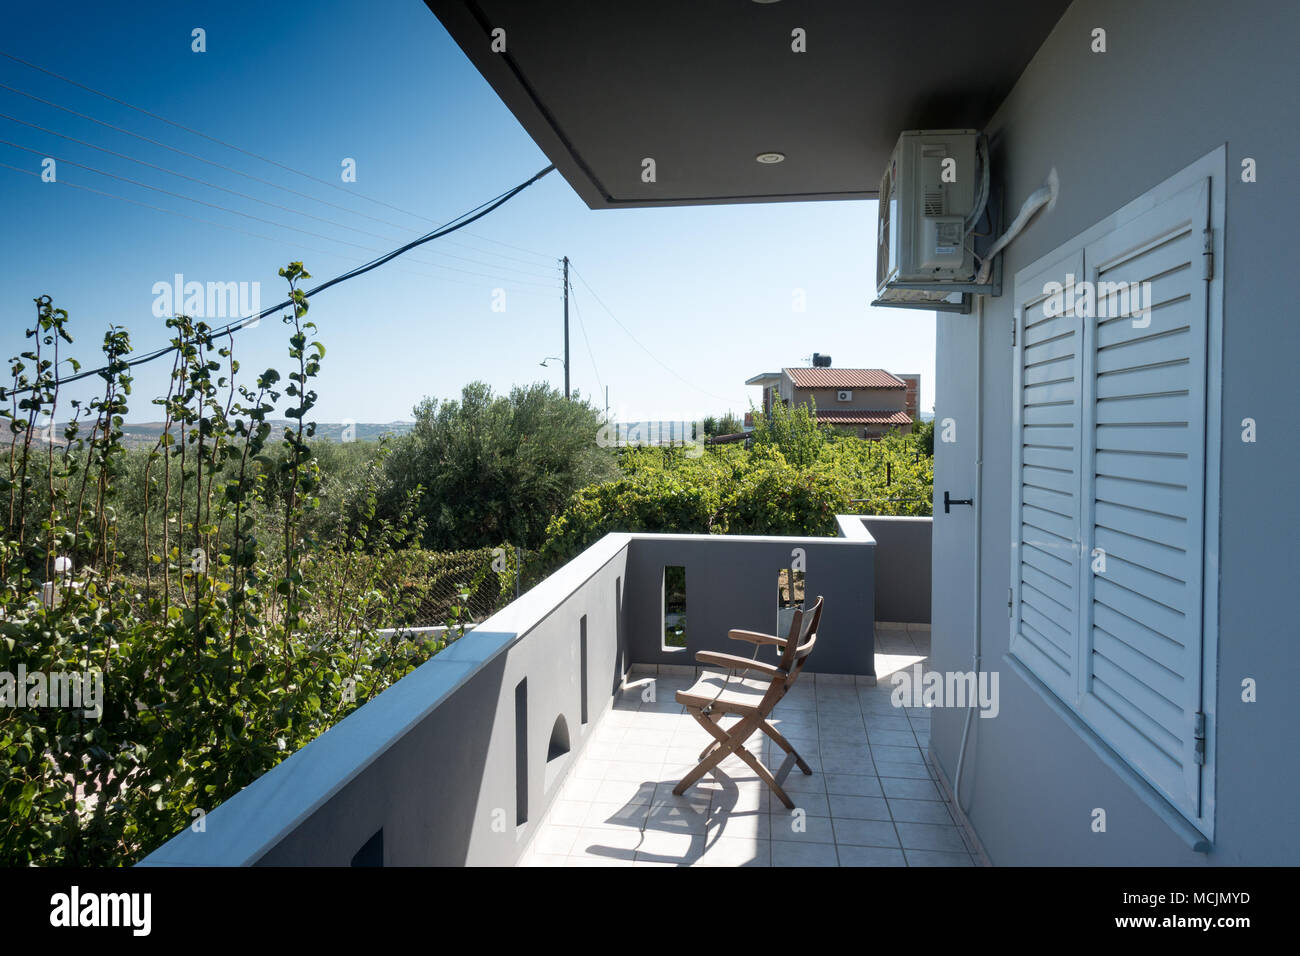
pixel 704 825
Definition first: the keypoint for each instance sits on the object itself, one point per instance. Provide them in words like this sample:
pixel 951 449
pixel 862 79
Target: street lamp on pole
pixel 556 358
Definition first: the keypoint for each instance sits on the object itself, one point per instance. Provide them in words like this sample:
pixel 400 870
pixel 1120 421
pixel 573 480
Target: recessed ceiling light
pixel 769 158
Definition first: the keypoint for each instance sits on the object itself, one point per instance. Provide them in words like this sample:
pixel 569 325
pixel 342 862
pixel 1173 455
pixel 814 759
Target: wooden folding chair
pixel 751 699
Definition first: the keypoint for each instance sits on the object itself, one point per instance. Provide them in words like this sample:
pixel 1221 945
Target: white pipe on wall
pixel 976 644
pixel 1044 195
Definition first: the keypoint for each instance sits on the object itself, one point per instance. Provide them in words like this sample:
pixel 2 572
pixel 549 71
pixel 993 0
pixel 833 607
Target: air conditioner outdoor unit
pixel 845 396
pixel 933 195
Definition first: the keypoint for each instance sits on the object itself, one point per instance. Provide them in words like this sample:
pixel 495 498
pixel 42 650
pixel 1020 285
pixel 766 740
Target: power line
pixel 544 255
pixel 643 348
pixel 269 222
pixel 583 329
pixel 221 142
pixel 170 212
pixel 256 235
pixel 193 179
pixel 213 139
pixel 195 156
pixel 478 212
pixel 266 202
pixel 168 192
pixel 200 133
pixel 489 252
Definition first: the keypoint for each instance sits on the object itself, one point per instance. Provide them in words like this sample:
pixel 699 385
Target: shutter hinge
pixel 1009 603
pixel 1207 256
pixel 1198 736
pixel 1013 330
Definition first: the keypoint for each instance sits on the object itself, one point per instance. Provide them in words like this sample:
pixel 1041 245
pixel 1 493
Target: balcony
pixel 871 800
pixel 550 734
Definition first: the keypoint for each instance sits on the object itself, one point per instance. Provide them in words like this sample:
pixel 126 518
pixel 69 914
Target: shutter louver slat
pixel 1162 681
pixel 1133 381
pixel 1155 555
pixel 1152 615
pixel 1165 652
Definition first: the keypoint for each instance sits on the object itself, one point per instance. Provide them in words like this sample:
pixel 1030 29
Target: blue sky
pixel 708 290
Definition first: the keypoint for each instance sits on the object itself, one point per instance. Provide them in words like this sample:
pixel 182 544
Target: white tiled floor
pixel 870 801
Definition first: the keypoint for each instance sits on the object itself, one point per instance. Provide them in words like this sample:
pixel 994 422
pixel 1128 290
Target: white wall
pixel 1178 80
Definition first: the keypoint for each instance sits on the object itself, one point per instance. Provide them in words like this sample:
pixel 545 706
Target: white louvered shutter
pixel 1143 467
pixel 1046 450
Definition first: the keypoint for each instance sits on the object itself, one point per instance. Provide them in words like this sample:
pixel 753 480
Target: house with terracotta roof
pixel 869 402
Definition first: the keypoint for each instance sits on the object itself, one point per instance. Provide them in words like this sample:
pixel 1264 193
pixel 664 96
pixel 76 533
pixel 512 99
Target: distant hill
pixel 146 433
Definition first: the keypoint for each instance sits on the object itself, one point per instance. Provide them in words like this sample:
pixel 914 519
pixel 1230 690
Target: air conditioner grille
pixel 934 201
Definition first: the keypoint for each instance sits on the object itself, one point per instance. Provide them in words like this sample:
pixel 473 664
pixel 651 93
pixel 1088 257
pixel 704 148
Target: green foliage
pixel 792 430
pixel 759 491
pixel 675 606
pixel 728 424
pixel 924 432
pixel 496 468
pixel 242 632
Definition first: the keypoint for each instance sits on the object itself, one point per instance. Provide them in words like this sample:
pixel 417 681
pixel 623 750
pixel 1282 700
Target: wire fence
pixel 432 588
pixel 472 585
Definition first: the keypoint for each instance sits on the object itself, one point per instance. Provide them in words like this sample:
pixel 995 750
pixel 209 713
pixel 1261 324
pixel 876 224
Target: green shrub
pixel 496 467
pixel 227 633
pixel 732 490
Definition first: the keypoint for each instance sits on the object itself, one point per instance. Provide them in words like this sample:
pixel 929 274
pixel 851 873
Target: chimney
pixel 912 401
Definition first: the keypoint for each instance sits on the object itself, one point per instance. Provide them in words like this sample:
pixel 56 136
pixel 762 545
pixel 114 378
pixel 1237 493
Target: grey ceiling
pixel 702 86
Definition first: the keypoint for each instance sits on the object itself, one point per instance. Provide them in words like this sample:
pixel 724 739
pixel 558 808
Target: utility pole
pixel 606 403
pixel 566 326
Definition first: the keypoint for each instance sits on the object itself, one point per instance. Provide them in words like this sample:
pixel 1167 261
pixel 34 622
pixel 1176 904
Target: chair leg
pixel 727 743
pixel 717 719
pixel 720 751
pixel 766 776
pixel 784 744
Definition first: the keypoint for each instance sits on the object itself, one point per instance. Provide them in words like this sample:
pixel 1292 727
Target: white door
pixel 953 534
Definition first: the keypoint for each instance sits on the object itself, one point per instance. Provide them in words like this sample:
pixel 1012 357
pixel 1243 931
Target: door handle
pixel 948 502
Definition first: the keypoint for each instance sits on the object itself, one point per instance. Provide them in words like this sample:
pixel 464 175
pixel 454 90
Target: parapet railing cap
pixel 854 528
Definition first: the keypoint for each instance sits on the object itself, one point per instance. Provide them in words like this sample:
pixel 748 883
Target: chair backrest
pixel 798 645
pixel 807 638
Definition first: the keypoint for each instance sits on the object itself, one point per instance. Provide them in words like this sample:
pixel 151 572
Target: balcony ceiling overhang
pixel 704 86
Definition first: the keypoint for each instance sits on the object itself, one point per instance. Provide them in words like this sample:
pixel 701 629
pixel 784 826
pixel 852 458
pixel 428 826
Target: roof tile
pixel 863 416
pixel 843 378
